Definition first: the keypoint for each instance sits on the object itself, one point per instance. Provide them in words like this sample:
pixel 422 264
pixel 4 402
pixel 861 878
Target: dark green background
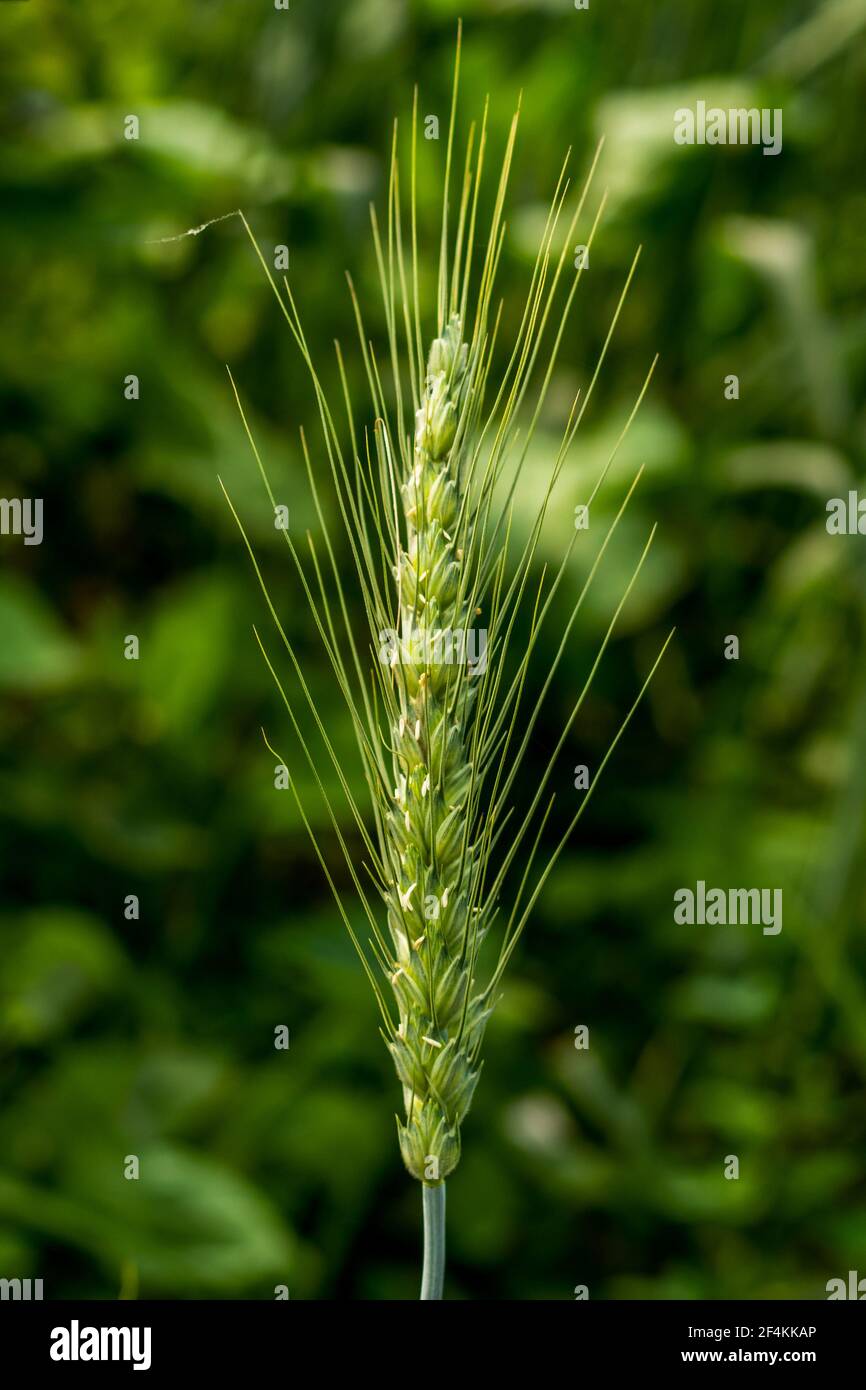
pixel 155 1037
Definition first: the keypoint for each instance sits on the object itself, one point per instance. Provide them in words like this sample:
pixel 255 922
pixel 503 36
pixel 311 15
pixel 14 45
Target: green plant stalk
pixel 433 1272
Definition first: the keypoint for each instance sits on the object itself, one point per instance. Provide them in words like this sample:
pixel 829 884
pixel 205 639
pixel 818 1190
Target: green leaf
pixel 55 964
pixel 35 651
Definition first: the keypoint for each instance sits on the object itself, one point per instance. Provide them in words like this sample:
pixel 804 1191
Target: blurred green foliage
pixel 154 1036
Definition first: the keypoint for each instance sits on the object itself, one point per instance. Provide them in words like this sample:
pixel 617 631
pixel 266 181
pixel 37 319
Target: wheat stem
pixel 433 1271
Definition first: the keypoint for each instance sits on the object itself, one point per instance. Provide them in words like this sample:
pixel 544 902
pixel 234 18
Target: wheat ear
pixel 427 516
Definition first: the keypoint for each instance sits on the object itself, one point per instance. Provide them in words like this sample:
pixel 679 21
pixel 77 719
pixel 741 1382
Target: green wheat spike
pixel 425 499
